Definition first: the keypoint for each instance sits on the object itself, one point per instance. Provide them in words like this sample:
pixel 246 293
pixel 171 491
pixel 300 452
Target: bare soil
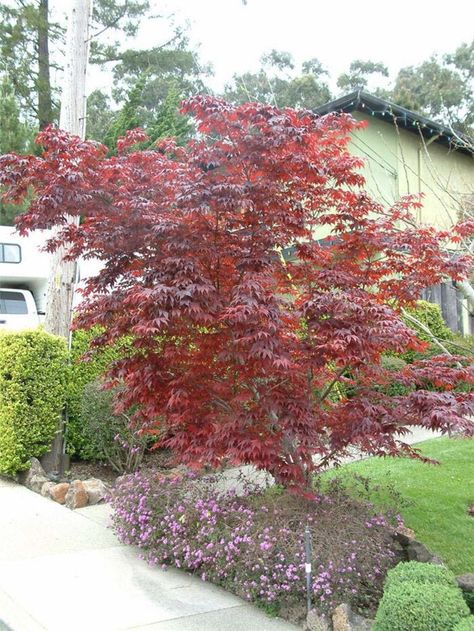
pixel 158 460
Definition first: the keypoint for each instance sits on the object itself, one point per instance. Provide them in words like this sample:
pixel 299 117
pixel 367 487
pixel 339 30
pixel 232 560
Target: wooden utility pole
pixel 58 312
pixel 73 119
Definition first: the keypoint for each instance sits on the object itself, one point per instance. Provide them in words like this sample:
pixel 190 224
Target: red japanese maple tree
pixel 257 341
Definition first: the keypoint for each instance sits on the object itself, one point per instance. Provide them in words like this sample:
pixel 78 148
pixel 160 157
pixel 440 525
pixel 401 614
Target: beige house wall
pixel 399 162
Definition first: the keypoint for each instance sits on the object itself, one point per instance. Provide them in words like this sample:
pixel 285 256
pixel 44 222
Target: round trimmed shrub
pixel 33 369
pixel 420 573
pixel 420 607
pixel 466 624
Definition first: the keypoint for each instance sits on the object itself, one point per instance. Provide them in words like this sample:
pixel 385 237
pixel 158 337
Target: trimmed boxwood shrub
pixel 33 370
pixel 420 573
pixel 409 606
pixel 466 624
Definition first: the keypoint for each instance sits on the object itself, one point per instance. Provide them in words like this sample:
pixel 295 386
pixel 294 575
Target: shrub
pixel 411 606
pixel 394 364
pixel 33 366
pixel 420 573
pixel 82 373
pixel 253 544
pixel 110 435
pixel 466 624
pixel 431 316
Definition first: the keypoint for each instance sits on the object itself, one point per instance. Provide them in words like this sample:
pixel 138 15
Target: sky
pixel 232 35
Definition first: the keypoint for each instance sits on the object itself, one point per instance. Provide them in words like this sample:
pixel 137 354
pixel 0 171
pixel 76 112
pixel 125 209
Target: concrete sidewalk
pixel 63 570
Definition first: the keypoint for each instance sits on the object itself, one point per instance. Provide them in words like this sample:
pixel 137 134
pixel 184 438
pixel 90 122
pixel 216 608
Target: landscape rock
pixel 416 551
pixel 466 582
pixel 344 619
pixel 315 622
pixel 58 492
pixel 359 623
pixel 404 535
pixel 45 489
pixel 96 490
pixel 76 497
pixel 436 560
pixel 35 470
pixel 35 482
pixel 341 618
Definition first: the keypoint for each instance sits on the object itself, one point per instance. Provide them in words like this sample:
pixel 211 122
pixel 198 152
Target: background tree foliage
pixel 277 84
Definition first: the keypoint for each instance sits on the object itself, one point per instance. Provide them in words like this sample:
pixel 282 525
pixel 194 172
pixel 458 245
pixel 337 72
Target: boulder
pixel 35 470
pixel 403 535
pixel 36 482
pixel 76 496
pixel 96 490
pixel 466 582
pixel 58 492
pixel 315 622
pixel 416 551
pixel 45 489
pixel 344 619
pixel 341 618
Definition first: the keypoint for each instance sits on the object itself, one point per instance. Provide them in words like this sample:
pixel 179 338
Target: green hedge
pixel 33 381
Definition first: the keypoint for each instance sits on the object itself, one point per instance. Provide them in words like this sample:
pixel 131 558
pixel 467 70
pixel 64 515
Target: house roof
pixel 384 110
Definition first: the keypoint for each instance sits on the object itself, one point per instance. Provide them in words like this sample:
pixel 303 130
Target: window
pixel 10 253
pixel 12 303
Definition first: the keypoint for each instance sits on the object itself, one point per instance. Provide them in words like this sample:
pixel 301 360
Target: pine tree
pixel 169 122
pixel 127 118
pixel 15 137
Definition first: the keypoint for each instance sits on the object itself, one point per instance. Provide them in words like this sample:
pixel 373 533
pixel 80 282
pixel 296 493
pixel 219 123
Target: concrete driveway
pixel 63 570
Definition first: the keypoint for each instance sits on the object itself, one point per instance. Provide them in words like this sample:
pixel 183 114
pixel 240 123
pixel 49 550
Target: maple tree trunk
pixel 45 109
pixel 58 313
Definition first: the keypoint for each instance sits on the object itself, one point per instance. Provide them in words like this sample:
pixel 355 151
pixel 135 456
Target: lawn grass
pixel 438 496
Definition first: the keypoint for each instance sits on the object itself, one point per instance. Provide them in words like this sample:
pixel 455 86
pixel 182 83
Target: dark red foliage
pixel 243 353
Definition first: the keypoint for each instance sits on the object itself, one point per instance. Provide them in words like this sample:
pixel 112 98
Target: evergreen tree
pixel 127 118
pixel 169 122
pixel 15 137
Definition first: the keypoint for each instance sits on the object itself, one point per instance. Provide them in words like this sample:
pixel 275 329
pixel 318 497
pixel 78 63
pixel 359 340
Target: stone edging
pixel 75 494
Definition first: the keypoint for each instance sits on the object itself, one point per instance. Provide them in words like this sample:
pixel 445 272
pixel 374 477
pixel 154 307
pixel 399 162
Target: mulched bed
pixel 158 460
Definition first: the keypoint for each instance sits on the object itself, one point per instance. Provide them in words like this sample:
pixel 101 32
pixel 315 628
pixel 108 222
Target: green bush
pixel 110 436
pixel 466 624
pixel 394 364
pixel 420 573
pixel 82 373
pixel 431 316
pixel 411 606
pixel 33 370
pixel 469 598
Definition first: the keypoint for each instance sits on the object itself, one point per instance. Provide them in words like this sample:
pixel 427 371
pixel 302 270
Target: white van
pixel 17 310
pixel 24 269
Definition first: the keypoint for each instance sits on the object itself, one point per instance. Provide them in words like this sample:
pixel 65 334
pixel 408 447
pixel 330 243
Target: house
pixel 406 153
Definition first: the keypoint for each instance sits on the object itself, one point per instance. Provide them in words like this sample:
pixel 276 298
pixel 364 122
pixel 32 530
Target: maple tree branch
pixel 427 330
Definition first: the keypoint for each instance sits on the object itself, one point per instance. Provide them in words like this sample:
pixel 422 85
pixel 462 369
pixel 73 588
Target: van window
pixel 12 303
pixel 10 253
